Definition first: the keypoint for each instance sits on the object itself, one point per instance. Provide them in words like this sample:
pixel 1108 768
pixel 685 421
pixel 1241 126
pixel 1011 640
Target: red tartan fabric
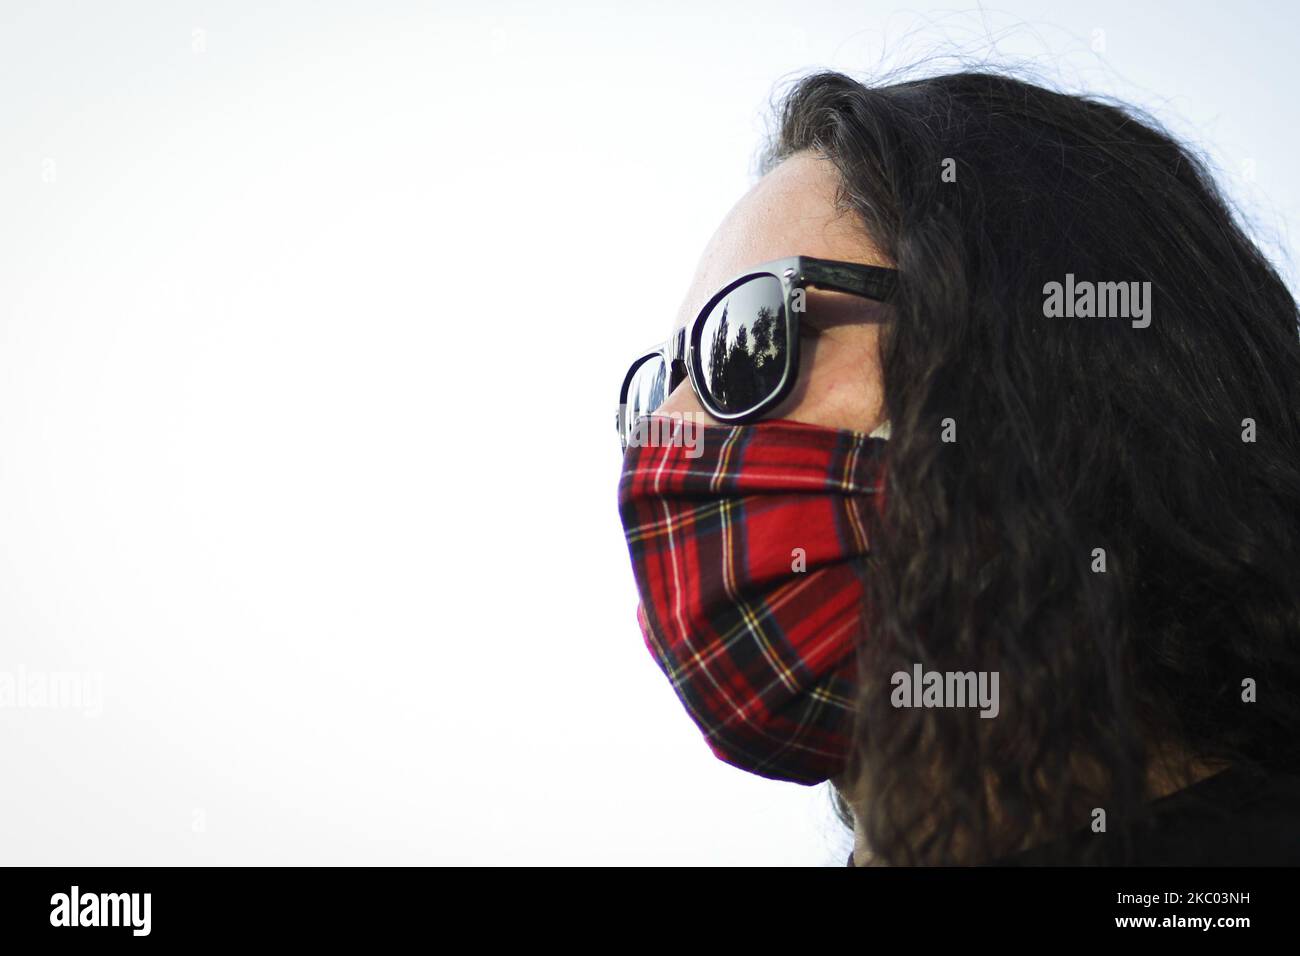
pixel 760 653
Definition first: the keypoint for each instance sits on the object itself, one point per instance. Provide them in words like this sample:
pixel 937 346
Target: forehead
pixel 789 212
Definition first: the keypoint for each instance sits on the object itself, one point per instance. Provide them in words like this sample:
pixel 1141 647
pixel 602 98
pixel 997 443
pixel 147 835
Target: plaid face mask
pixel 747 548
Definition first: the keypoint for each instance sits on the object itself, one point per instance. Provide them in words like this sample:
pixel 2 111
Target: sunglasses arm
pixel 872 282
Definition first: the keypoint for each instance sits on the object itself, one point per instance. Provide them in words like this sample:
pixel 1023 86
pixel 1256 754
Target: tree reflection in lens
pixel 744 359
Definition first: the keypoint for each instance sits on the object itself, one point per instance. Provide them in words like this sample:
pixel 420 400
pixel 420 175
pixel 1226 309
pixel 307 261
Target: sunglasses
pixel 741 352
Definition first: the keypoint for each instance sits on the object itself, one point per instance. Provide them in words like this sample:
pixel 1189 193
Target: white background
pixel 356 587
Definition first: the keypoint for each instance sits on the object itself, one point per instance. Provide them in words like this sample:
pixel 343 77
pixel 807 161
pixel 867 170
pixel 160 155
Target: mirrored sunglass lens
pixel 647 390
pixel 743 345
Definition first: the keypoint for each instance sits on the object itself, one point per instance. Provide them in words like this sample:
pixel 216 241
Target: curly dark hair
pixel 1072 434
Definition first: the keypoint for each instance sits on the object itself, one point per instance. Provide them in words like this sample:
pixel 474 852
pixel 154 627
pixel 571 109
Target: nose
pixel 676 375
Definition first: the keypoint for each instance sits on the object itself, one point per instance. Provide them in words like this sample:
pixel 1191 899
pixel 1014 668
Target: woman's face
pixel 791 211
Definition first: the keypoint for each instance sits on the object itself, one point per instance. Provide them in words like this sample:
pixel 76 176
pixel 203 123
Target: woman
pixel 978 485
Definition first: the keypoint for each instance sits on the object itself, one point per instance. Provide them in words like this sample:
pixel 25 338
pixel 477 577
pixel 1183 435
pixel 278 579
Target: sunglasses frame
pixel 682 351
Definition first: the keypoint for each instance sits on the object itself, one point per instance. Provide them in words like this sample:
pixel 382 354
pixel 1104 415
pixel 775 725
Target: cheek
pixel 839 387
